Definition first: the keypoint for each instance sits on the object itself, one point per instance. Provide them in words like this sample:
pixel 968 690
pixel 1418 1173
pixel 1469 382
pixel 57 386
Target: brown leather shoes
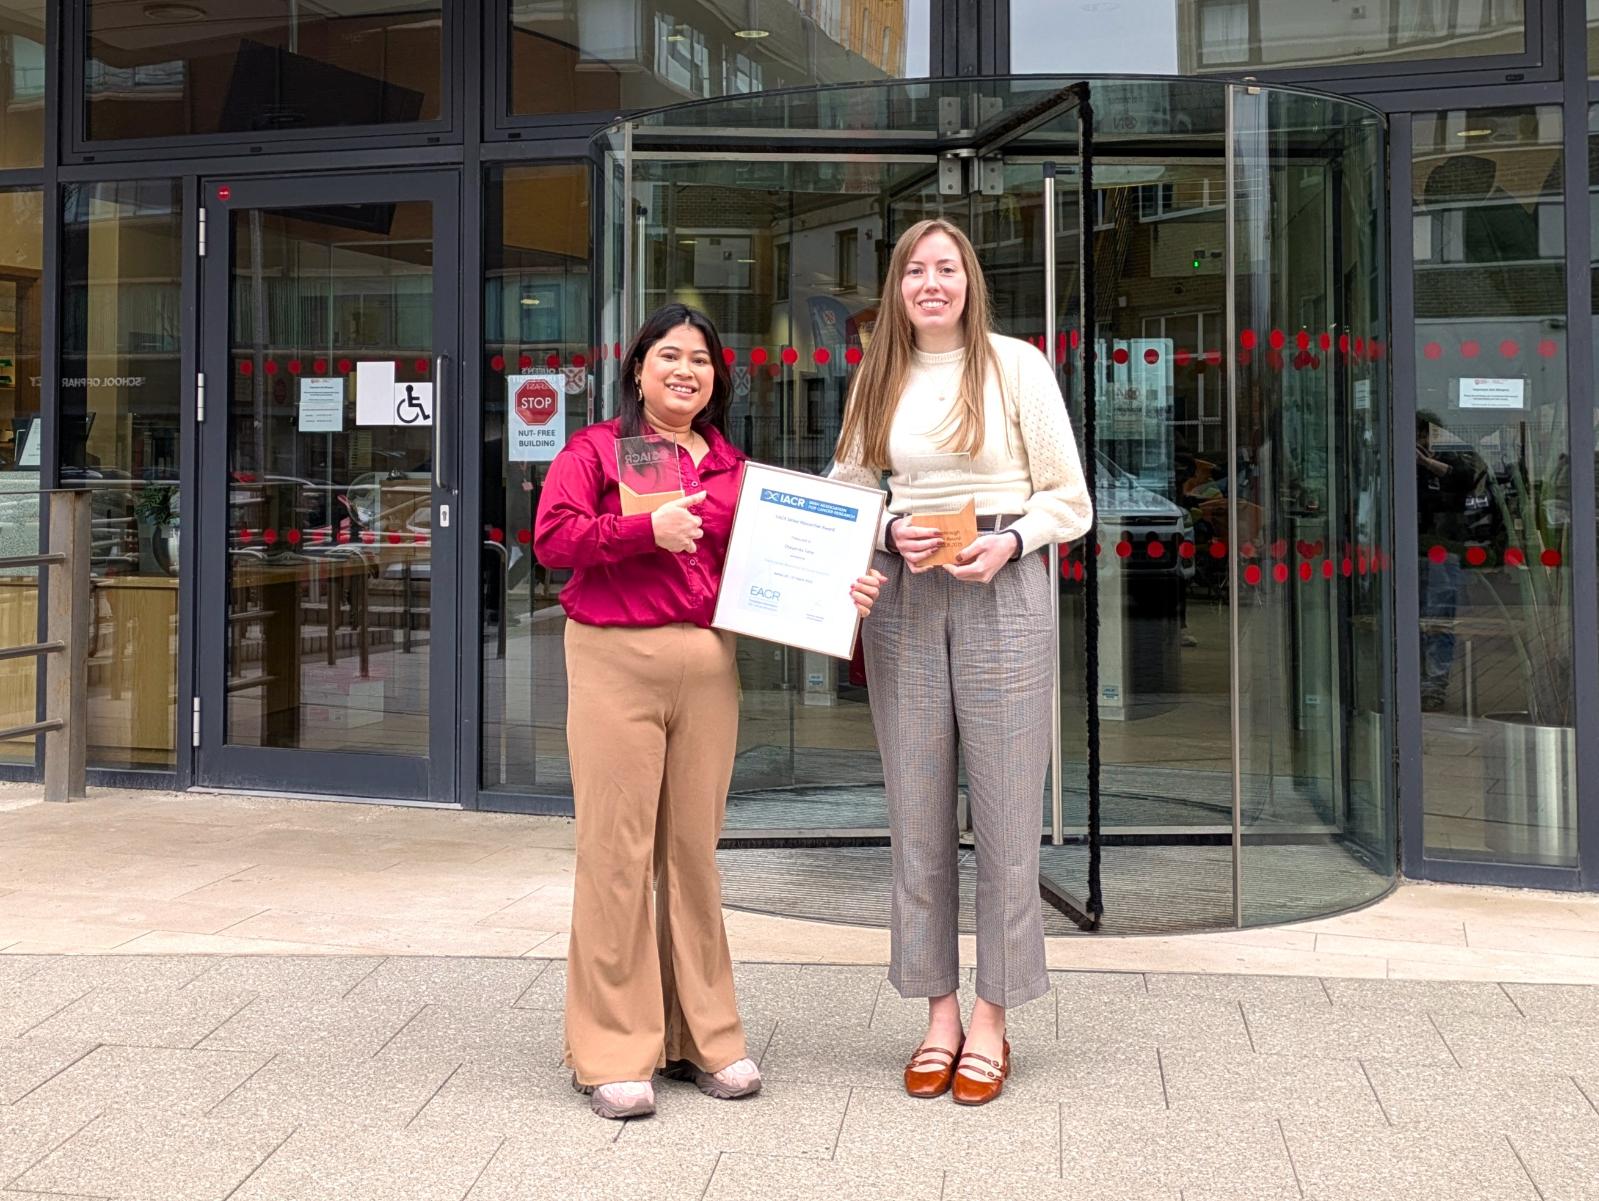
pixel 966 1090
pixel 929 1071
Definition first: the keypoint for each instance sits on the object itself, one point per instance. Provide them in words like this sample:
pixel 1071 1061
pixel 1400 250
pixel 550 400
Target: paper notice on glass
pixel 798 542
pixel 1493 393
pixel 648 473
pixel 374 393
pixel 944 502
pixel 321 406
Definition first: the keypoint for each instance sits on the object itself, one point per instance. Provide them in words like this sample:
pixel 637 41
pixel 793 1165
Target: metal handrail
pixel 66 645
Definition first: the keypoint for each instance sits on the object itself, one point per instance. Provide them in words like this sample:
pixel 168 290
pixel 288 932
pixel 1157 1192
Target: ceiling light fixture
pixel 174 12
pixel 1474 133
pixel 752 33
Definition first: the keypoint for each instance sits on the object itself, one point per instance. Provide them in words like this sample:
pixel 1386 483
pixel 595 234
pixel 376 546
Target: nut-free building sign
pixel 537 419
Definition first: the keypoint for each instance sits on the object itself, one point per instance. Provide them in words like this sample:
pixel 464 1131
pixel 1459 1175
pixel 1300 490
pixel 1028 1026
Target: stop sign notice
pixel 539 402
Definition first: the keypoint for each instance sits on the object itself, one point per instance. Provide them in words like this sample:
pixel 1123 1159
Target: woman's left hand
pixel 981 561
pixel 864 591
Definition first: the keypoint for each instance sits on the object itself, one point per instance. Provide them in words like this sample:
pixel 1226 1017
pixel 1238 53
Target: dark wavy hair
pixel 630 405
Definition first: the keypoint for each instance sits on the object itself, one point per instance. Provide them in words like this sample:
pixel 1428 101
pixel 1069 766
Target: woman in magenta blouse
pixel 651 727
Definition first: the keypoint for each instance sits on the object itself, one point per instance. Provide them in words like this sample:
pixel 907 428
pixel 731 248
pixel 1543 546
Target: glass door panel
pixel 328 365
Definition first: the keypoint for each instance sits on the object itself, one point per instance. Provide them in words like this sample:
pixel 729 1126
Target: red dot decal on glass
pixel 320 366
pixel 1301 360
pixel 1151 356
pixel 553 362
pixel 1550 558
pixel 369 536
pixel 246 535
pixel 579 360
pixel 1279 548
pixel 1277 339
pixel 496 534
pixel 394 537
pixel 1326 569
pixel 1343 343
pixel 1509 348
pixel 1306 571
pixel 1218 549
pixel 295 367
pixel 1099 549
pixel 344 536
pixel 345 366
pixel 1213 357
pixel 1274 360
pixel 1514 556
pixel 852 355
pixel 294 537
pixel 1476 556
pixel 1247 339
pixel 1324 341
pixel 1123 549
pixel 1247 549
pixel 525 362
pixel 271 367
pixel 758 355
pixel 1360 347
pixel 246 367
pixel 498 362
pixel 1433 351
pixel 1155 548
pixel 790 355
pixel 269 536
pixel 616 350
pixel 1302 339
pixel 1185 550
pixel 821 354
pixel 1078 571
pixel 1120 355
pixel 729 355
pixel 524 536
pixel 773 370
pixel 1470 348
pixel 1183 356
pixel 1348 568
pixel 1548 348
pixel 1280 573
pixel 1252 575
pixel 1245 358
pixel 318 537
pixel 224 193
pixel 1076 339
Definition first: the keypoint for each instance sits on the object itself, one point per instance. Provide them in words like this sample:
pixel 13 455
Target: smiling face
pixel 676 379
pixel 933 290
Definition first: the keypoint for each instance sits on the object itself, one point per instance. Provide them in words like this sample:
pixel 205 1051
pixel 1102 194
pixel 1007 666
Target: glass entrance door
pixel 327 550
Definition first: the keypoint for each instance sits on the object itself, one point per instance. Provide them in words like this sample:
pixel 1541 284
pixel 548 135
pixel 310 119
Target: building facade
pixel 307 292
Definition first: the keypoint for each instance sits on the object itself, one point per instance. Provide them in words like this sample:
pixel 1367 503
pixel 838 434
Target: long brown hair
pixel 881 377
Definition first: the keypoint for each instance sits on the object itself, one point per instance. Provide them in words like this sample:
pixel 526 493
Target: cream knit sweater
pixel 1029 462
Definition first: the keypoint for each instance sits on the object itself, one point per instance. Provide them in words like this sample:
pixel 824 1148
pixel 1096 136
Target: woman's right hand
pixel 676 527
pixel 915 543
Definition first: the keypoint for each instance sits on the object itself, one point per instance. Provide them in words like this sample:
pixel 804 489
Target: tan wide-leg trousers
pixel 651 728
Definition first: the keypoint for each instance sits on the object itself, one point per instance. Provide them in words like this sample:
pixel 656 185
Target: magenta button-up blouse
pixel 619 576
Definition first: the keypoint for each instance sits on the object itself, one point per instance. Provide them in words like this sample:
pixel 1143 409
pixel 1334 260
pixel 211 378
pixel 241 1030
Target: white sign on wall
pixel 321 406
pixel 1493 393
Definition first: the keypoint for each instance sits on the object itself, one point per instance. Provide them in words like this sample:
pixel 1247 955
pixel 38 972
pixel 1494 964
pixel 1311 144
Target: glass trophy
pixel 648 472
pixel 945 503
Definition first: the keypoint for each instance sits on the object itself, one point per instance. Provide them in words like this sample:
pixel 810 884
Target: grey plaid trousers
pixel 954 665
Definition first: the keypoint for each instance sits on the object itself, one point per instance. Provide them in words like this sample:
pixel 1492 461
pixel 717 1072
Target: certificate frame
pixel 805 536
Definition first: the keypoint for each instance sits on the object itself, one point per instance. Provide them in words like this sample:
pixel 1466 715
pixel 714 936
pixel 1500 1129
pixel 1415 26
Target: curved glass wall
pixel 1236 330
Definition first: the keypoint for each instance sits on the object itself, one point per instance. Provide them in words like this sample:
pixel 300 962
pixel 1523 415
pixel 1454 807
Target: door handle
pixel 441 477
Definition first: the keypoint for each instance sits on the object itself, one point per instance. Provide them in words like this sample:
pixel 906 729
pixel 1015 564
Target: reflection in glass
pixel 1492 487
pixel 121 333
pixel 605 55
pixel 21 300
pixel 236 66
pixel 22 79
pixel 1192 37
pixel 536 321
pixel 330 494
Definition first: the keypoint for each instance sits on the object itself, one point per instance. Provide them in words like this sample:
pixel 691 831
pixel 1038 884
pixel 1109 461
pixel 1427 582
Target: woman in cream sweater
pixel 958 655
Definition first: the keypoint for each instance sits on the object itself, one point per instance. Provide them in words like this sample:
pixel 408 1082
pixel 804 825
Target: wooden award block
pixel 959 530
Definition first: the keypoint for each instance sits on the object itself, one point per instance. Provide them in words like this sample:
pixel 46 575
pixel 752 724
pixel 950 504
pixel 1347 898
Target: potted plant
pixel 157 507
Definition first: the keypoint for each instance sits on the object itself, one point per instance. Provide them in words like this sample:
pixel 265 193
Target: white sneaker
pixel 739 1079
pixel 621 1100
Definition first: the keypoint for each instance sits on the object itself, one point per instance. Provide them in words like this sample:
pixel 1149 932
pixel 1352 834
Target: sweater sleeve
pixel 847 468
pixel 572 530
pixel 1059 509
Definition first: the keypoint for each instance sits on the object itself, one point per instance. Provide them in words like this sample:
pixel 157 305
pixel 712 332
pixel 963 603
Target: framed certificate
pixel 798 542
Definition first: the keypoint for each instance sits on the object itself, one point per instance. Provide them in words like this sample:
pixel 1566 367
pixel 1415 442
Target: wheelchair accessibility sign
pixel 413 404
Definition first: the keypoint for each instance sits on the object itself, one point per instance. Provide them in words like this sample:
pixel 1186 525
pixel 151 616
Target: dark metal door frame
pixel 428 777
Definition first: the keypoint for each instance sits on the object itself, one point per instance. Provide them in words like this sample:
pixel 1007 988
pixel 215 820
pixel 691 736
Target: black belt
pixel 997 521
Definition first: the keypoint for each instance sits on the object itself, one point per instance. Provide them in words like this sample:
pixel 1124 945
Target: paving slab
pixel 1556 1002
pixel 1267 1085
pixel 1495 1099
pixel 1405 1163
pixel 349 1028
pixel 743 1177
pixel 26 1063
pixel 516 1096
pixel 883 1125
pixel 464 984
pixel 307 1088
pixel 400 1165
pixel 1345 1033
pixel 162 1079
pixel 148 1157
pixel 24 1004
pixel 300 977
pixel 142 1017
pixel 548 989
pixel 539 1165
pixel 450 1032
pixel 1520 1044
pixel 1422 996
pixel 1276 990
pixel 27 1136
pixel 1203 1157
pixel 1562 1157
pixel 796 1119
